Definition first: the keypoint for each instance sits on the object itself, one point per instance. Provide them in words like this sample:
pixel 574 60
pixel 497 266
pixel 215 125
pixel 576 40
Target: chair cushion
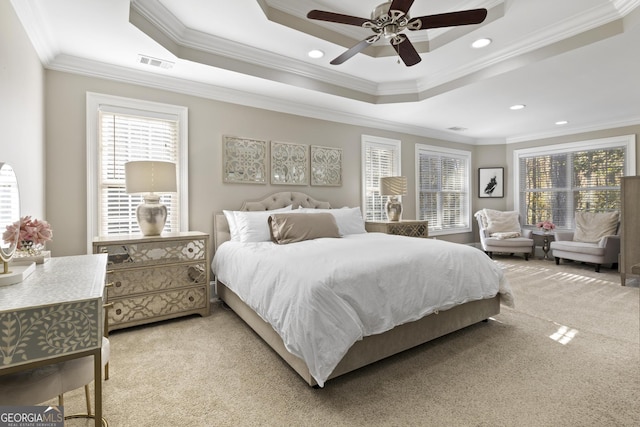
pixel 502 222
pixel 30 387
pixel 593 226
pixel 578 247
pixel 513 242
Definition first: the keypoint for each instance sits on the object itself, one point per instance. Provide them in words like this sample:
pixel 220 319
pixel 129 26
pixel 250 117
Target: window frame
pixel 436 150
pixel 393 145
pixel 94 101
pixel 628 142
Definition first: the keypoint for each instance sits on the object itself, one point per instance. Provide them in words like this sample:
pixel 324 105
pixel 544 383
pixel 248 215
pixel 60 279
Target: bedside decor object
pixel 150 178
pixel 289 163
pixel 9 224
pixel 244 160
pixel 326 166
pixel 393 186
pixel 546 226
pixel 491 182
pixel 31 235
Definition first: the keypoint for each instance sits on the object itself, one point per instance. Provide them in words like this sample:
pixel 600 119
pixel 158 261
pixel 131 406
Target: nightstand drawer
pixel 162 305
pixel 410 228
pixel 144 280
pixel 142 254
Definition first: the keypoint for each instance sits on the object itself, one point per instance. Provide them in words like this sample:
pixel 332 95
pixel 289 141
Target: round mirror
pixel 9 214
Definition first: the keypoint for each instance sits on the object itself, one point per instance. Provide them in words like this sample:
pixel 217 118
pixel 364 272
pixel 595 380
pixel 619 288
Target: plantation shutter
pixel 126 135
pixel 554 186
pixel 444 196
pixel 380 160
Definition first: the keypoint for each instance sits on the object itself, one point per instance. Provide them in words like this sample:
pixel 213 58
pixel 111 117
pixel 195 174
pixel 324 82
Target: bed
pixel 275 289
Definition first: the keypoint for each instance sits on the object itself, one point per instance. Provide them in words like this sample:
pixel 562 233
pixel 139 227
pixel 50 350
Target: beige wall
pixel 208 121
pixel 22 111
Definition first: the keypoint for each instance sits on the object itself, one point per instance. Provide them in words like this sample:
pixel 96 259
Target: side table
pixel 410 228
pixel 547 238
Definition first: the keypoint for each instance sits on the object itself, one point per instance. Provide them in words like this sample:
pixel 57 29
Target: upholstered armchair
pixel 595 240
pixel 501 232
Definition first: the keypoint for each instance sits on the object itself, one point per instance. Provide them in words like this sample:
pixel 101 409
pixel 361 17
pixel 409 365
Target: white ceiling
pixel 574 60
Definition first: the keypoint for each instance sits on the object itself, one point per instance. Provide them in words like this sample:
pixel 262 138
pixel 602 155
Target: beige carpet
pixel 508 372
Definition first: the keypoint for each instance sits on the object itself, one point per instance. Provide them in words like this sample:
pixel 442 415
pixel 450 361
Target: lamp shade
pixel 393 185
pixel 150 176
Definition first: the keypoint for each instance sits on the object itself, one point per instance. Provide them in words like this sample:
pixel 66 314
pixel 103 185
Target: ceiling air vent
pixel 155 62
pixel 457 129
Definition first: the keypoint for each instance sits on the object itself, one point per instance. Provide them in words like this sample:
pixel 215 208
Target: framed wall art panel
pixel 491 182
pixel 326 166
pixel 244 160
pixel 289 163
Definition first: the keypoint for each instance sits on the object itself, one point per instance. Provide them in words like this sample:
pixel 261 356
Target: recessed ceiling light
pixel 480 43
pixel 517 107
pixel 315 54
pixel 562 122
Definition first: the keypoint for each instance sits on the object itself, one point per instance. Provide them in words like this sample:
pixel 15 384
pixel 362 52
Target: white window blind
pixel 443 185
pixel 380 158
pixel 556 184
pixel 125 137
pixel 120 130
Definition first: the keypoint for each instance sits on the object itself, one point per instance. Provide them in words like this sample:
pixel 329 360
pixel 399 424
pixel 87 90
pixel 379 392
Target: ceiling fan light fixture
pixel 315 54
pixel 517 107
pixel 480 43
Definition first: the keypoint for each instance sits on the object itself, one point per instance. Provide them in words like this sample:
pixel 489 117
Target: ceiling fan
pixel 390 19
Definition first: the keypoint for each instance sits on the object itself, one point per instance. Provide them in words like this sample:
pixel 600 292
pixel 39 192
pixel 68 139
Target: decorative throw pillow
pixel 593 226
pixel 251 226
pixel 502 221
pixel 297 227
pixel 349 220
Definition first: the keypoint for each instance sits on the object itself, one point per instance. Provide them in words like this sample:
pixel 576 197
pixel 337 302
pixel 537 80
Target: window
pixel 380 157
pixel 120 130
pixel 443 183
pixel 554 182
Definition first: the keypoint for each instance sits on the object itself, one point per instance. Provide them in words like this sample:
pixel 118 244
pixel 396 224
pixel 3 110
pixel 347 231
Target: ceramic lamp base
pixel 394 209
pixel 151 215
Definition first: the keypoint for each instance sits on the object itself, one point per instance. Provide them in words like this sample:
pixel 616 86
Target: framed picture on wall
pixel 491 182
pixel 244 160
pixel 326 166
pixel 289 163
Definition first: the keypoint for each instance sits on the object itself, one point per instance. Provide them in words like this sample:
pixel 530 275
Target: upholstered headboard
pixel 274 201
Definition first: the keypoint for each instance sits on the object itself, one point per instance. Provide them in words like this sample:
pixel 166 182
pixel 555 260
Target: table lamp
pixel 393 186
pixel 150 178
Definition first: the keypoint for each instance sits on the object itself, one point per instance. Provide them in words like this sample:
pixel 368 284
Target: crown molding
pixel 37 29
pixel 613 124
pixel 81 66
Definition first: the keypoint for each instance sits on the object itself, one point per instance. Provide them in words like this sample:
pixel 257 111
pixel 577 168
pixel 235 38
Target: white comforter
pixel 323 295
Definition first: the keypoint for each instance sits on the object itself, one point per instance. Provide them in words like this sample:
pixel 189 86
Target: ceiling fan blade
pixel 451 19
pixel 406 51
pixel 401 5
pixel 355 49
pixel 337 17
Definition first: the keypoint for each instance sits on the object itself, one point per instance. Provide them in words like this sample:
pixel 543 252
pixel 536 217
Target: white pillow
pixel 349 220
pixel 252 226
pixel 502 222
pixel 233 228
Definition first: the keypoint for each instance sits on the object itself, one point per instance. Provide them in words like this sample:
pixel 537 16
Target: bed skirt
pixel 375 347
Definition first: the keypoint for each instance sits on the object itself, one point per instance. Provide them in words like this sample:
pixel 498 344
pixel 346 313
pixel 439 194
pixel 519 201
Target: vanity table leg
pixel 97 382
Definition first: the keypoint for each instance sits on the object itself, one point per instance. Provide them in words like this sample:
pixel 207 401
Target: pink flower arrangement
pixel 546 225
pixel 29 232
